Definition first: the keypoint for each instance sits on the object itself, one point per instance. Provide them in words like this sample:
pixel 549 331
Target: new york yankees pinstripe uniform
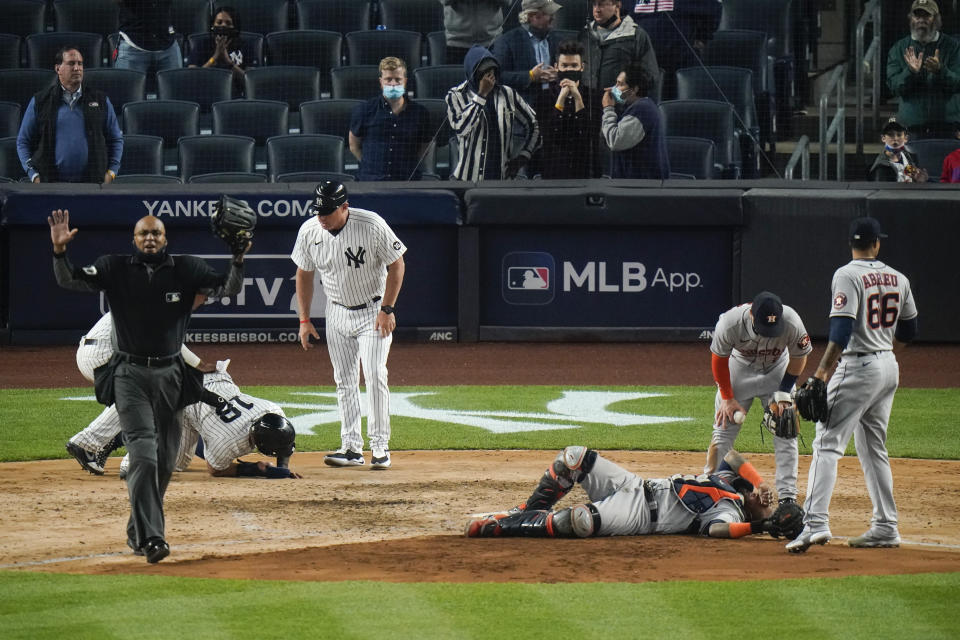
pixel 758 368
pixel 359 260
pixel 872 311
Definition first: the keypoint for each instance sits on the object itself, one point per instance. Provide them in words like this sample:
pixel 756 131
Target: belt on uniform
pixel 148 361
pixel 855 354
pixel 357 307
pixel 87 341
pixel 651 500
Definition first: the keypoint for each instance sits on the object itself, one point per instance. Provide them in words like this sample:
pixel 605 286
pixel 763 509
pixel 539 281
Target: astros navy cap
pixel 866 228
pixel 767 312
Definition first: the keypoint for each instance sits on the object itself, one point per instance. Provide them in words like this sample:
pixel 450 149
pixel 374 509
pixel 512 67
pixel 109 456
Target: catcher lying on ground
pixel 731 503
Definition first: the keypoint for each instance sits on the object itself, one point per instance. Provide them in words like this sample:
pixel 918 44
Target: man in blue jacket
pixel 526 53
pixel 636 136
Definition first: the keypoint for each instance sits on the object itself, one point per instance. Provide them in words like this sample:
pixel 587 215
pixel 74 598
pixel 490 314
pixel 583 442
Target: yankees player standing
pixel 758 351
pixel 360 261
pixel 873 313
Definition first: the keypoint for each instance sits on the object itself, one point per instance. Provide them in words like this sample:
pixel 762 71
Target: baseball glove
pixel 233 222
pixel 781 422
pixel 811 400
pixel 786 521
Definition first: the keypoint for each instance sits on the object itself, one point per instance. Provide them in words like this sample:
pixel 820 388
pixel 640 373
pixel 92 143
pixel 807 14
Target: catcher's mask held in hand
pixel 328 197
pixel 233 221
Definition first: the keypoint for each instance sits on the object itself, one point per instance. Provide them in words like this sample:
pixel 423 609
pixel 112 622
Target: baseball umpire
pixel 758 350
pixel 731 503
pixel 151 295
pixel 360 262
pixel 872 314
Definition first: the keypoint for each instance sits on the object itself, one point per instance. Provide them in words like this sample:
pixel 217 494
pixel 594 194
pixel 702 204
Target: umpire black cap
pixel 767 313
pixel 273 435
pixel 328 197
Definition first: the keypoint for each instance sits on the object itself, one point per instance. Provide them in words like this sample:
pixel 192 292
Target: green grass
pixel 37 605
pixel 34 424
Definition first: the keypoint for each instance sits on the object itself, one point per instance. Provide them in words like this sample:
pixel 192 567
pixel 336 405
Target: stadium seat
pixel 215 154
pixel 6 179
pixel 329 117
pixel 292 85
pixel 307 48
pixel 24 17
pixel 261 16
pixel 252 42
pixel 706 119
pixel 120 85
pixel 91 16
pixel 566 34
pixel 435 82
pixel 733 85
pixel 19 85
pixel 42 48
pixel 9 160
pixel 693 157
pixel 437 48
pixel 440 129
pixel 423 16
pixel 192 16
pixel 11 49
pixel 370 47
pixel 9 119
pixel 257 119
pixel 226 177
pixel 201 85
pixel 359 82
pixel 168 119
pixel 930 154
pixel 142 155
pixel 304 152
pixel 145 178
pixel 342 16
pixel 574 15
pixel 315 177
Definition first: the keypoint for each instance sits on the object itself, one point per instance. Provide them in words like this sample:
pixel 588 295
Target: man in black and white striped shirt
pixel 482 113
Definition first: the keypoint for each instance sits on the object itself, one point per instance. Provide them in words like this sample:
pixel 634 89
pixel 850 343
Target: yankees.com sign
pixel 628 277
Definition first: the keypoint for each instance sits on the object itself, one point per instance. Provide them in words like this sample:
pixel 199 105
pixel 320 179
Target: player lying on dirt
pixel 731 503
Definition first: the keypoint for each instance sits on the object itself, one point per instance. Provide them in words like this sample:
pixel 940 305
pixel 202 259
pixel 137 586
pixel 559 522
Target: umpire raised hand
pixel 151 294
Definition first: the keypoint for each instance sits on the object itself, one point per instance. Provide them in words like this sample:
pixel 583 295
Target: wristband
pixel 249 469
pixel 386 308
pixel 740 529
pixel 212 60
pixel 749 473
pixel 304 321
pixel 276 472
pixel 787 383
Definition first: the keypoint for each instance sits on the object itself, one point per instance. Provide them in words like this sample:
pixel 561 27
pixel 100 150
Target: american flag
pixel 653 6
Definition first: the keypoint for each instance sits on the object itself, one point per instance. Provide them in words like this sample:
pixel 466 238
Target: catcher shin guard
pixel 581 521
pixel 524 524
pixel 570 467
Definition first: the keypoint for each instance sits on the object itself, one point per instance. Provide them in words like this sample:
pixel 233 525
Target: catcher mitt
pixel 781 422
pixel 786 521
pixel 811 400
pixel 233 222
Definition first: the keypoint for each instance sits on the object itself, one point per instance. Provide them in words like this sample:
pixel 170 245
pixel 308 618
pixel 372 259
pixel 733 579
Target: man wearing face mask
pixel 482 113
pixel 636 136
pixel 923 69
pixel 612 41
pixel 390 134
pixel 526 53
pixel 570 140
pixel 151 295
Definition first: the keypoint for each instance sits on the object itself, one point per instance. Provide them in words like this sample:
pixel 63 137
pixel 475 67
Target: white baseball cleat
pixel 380 459
pixel 124 466
pixel 875 540
pixel 807 538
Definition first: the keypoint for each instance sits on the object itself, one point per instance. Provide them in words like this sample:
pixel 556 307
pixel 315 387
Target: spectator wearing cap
pixel 390 133
pixel 471 22
pixel 895 163
pixel 613 40
pixel 526 53
pixel 923 70
pixel 482 113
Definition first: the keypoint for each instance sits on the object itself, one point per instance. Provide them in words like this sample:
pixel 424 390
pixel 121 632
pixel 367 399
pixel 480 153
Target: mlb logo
pixel 527 278
pixel 173 296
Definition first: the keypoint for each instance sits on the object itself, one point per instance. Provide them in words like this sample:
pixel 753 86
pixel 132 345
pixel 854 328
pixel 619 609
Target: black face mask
pixel 570 75
pixel 229 32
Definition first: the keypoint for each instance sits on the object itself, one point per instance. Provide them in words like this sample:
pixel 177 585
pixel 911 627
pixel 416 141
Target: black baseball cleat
pixel 156 549
pixel 137 551
pixel 86 459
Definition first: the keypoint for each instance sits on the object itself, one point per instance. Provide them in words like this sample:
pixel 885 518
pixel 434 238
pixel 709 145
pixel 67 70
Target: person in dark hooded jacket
pixel 482 113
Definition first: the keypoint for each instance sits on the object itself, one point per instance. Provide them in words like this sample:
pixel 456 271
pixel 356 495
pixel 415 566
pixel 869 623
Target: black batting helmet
pixel 273 435
pixel 327 197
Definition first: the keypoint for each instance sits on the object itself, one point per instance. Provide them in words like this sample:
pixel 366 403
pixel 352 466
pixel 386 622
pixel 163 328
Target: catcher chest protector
pixel 273 435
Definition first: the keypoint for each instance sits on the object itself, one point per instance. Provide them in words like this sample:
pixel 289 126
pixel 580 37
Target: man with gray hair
pixel 526 53
pixel 923 70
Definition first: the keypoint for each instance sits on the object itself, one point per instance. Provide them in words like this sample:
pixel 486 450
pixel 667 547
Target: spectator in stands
pixel 225 49
pixel 70 131
pixel 636 136
pixel 923 69
pixel 611 42
pixel 390 134
pixel 471 22
pixel 527 52
pixel 482 113
pixel 895 163
pixel 146 37
pixel 570 141
pixel 951 164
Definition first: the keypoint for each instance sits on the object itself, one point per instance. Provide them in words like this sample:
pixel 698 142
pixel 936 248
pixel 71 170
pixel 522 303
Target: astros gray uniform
pixel 860 392
pixel 757 365
pixel 352 265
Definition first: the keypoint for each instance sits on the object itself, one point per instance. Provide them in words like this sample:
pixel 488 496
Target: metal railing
pixel 837 127
pixel 869 59
pixel 801 154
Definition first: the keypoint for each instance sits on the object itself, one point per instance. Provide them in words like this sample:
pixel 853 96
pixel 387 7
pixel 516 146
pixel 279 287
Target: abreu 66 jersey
pixel 876 296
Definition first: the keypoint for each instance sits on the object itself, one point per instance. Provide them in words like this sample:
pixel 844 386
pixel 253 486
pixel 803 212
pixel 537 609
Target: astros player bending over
pixel 873 313
pixel 732 503
pixel 360 262
pixel 758 351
